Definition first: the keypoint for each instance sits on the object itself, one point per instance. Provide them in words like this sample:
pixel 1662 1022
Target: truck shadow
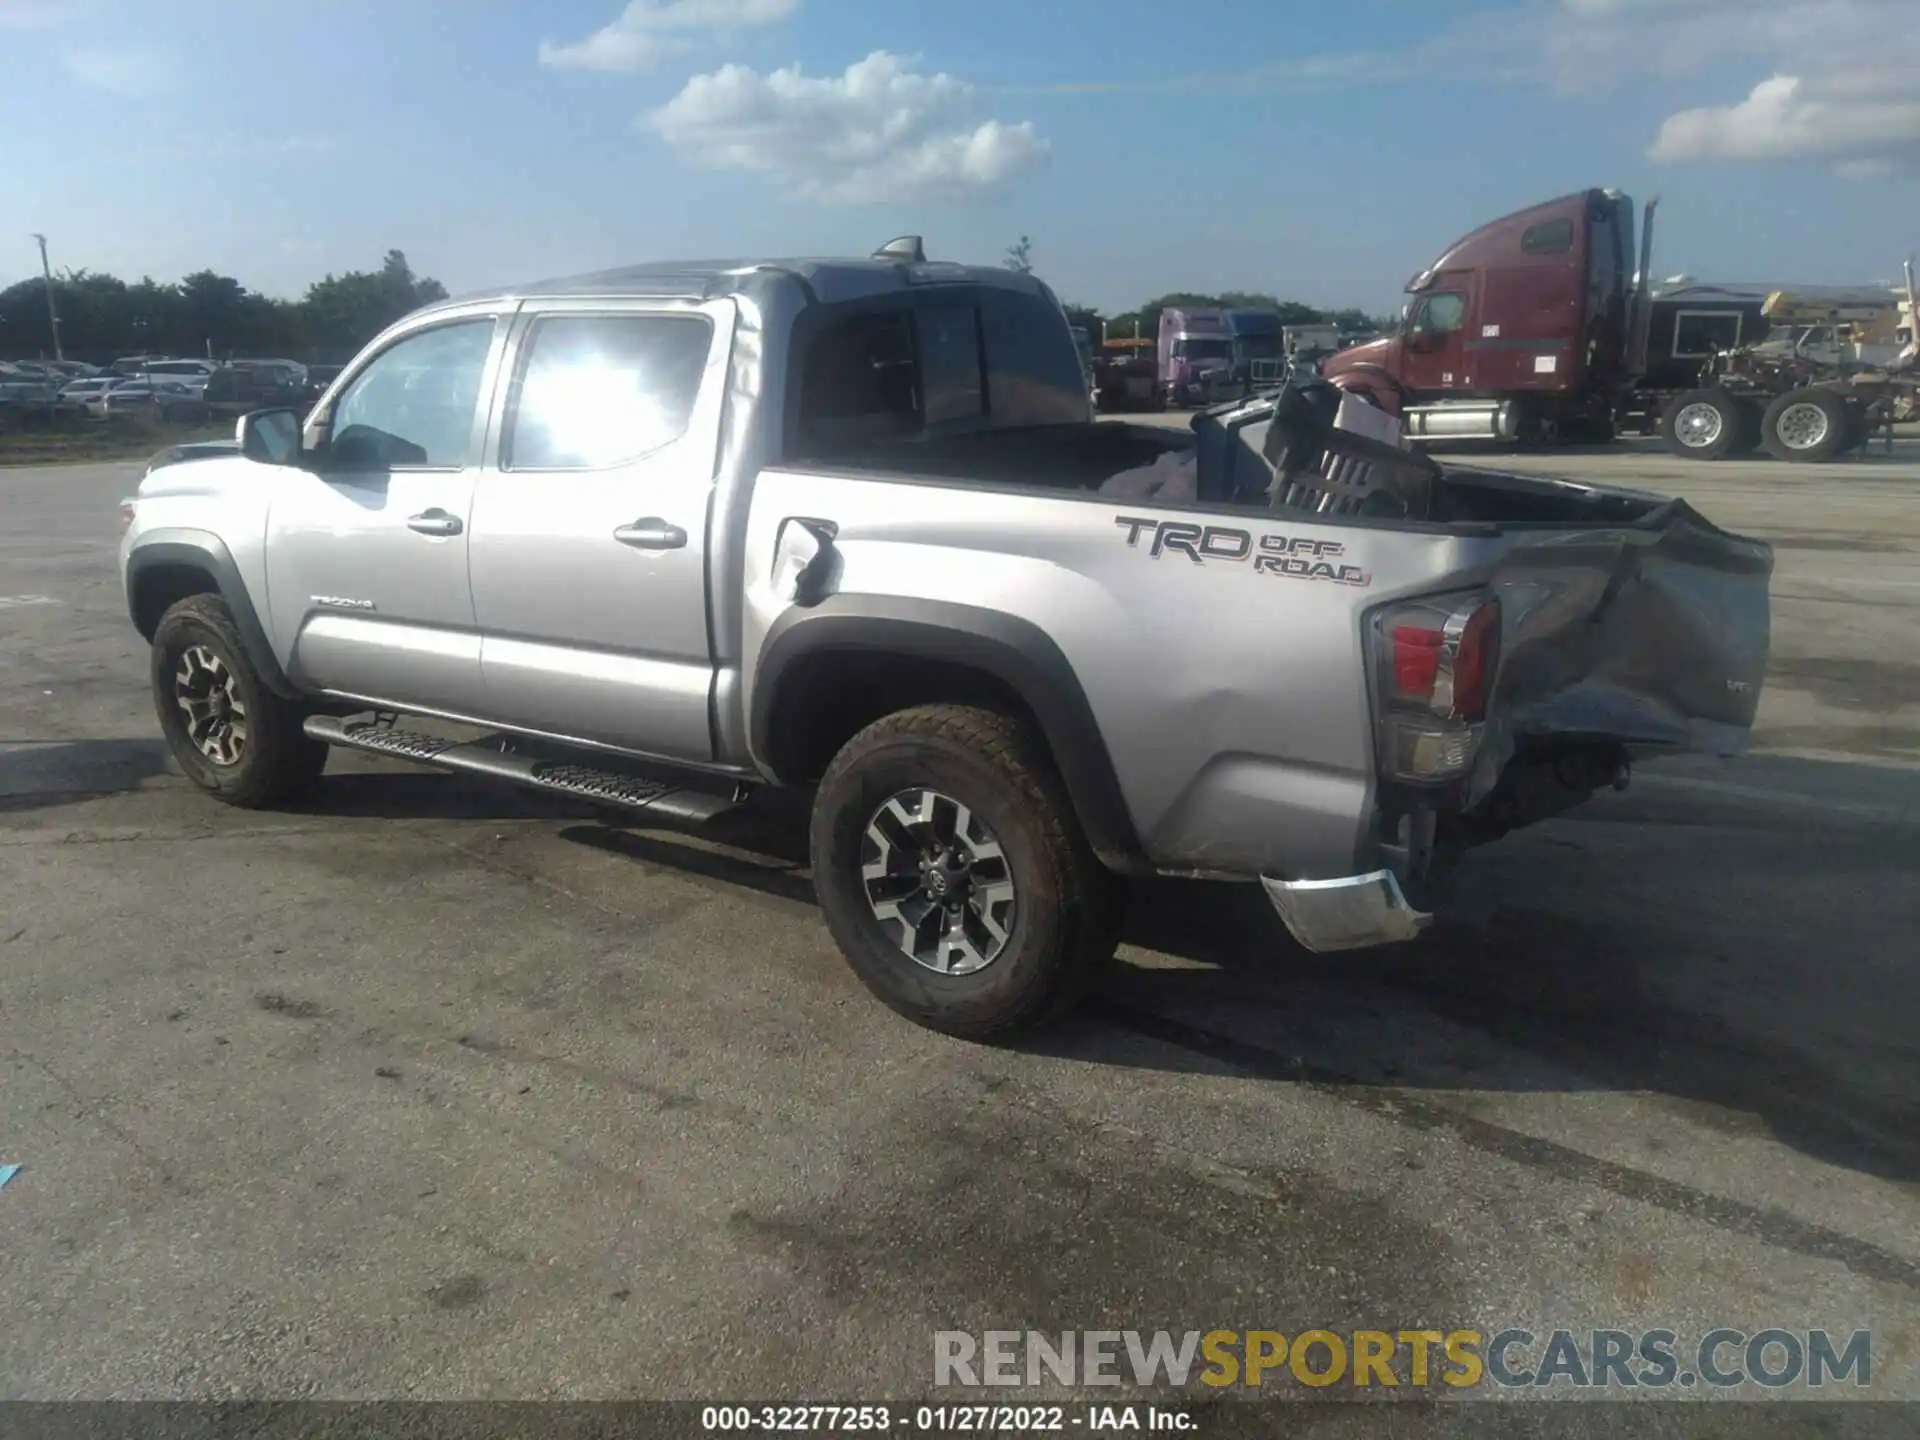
pixel 1741 957
pixel 1737 961
pixel 43 774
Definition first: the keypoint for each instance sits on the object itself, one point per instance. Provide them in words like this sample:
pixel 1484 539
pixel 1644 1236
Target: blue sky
pixel 1321 152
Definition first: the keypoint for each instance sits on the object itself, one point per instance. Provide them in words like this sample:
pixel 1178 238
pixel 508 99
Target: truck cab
pixel 1524 328
pixel 1195 355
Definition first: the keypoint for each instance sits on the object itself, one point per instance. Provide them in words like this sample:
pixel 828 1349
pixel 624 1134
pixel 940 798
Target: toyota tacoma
pixel 675 533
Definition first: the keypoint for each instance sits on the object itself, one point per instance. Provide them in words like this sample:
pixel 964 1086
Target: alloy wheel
pixel 1698 425
pixel 938 882
pixel 1801 426
pixel 209 696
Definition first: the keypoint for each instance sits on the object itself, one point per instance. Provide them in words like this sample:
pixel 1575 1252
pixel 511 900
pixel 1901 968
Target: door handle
pixel 434 522
pixel 652 533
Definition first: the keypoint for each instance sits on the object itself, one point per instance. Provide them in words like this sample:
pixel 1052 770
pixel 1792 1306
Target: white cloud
pixel 129 74
pixel 647 31
pixel 878 133
pixel 1852 63
pixel 1788 117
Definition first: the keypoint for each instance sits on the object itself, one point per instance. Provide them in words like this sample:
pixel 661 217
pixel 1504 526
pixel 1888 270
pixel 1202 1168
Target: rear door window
pixel 595 391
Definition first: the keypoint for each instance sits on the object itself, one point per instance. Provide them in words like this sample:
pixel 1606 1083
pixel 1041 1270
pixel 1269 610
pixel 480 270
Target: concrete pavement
pixel 433 1090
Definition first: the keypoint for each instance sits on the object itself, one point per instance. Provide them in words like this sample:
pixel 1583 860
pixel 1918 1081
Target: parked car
pixel 237 388
pixel 173 399
pixel 77 394
pixel 879 555
pixel 26 388
pixel 193 374
pixel 277 372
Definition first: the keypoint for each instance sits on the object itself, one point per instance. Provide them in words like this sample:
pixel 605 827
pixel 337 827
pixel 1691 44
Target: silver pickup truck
pixel 672 534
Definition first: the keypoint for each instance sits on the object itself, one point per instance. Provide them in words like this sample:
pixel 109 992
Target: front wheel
pixel 954 875
pixel 230 734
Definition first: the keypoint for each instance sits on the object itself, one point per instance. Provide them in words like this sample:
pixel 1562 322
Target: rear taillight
pixel 1435 662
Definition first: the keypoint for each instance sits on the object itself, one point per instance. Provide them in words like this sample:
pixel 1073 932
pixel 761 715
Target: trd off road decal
pixel 1294 556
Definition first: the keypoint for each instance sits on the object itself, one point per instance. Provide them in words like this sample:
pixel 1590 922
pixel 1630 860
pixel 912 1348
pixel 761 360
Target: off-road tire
pixel 1728 439
pixel 1832 443
pixel 278 761
pixel 1069 907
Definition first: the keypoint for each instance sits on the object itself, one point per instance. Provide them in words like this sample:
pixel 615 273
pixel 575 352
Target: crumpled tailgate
pixel 1650 634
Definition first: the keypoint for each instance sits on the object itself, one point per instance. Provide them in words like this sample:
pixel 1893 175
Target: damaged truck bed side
pixel 883 553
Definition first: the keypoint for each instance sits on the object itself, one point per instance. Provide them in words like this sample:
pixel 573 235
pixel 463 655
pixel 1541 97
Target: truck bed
pixel 1070 458
pixel 1630 618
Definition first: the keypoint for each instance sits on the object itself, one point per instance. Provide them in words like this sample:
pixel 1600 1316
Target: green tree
pixel 342 312
pixel 103 317
pixel 1019 256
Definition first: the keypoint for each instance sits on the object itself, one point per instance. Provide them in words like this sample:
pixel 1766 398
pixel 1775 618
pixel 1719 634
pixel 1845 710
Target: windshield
pixel 1204 349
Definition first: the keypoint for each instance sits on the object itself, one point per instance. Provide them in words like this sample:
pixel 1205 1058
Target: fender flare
pixel 1013 651
pixel 202 550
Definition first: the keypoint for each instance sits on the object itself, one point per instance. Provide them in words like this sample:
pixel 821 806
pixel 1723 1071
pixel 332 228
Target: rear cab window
pixel 942 361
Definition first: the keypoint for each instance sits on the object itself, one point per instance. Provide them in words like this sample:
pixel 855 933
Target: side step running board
pixel 495 758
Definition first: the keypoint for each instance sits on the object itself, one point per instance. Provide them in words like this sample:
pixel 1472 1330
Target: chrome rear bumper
pixel 1348 913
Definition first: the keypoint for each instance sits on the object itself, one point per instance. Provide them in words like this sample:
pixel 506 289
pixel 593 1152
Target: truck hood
pixel 195 450
pixel 1372 352
pixel 204 472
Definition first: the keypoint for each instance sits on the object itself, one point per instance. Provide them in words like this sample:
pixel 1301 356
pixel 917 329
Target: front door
pixel 1434 353
pixel 589 546
pixel 367 550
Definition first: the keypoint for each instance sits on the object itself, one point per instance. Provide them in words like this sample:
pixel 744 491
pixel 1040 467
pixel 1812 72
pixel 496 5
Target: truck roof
pixel 829 279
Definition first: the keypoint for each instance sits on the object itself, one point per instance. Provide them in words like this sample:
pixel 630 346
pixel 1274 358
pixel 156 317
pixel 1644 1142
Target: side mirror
pixel 271 437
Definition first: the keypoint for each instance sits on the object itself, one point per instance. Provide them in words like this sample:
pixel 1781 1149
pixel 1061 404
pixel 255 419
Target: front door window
pixel 413 407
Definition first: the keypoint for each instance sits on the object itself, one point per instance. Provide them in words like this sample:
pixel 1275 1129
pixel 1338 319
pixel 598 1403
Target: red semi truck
pixel 1531 328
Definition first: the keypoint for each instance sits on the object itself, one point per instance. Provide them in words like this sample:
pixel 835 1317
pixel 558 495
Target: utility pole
pixel 53 311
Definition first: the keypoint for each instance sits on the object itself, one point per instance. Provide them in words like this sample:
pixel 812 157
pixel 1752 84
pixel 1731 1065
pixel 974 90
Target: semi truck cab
pixel 1531 326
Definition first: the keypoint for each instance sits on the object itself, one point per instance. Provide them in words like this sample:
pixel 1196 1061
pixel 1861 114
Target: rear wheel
pixel 230 734
pixel 1806 426
pixel 1704 425
pixel 953 873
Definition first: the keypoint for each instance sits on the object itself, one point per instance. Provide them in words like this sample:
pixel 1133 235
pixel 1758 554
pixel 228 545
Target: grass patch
pixel 115 438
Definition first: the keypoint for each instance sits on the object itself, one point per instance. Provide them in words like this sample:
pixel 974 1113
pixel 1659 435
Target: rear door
pixel 590 542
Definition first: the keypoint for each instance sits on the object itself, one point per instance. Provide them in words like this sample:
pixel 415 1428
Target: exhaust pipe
pixel 1640 311
pixel 1913 313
